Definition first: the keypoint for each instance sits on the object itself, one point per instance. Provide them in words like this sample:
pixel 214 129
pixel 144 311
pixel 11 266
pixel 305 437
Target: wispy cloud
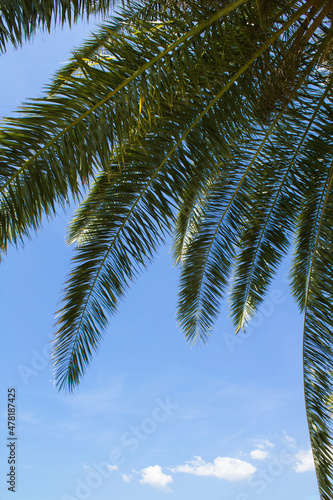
pixel 290 440
pixel 230 469
pixel 259 454
pixel 113 467
pixel 265 443
pixel 304 461
pixel 29 418
pixel 126 478
pixel 92 403
pixel 154 476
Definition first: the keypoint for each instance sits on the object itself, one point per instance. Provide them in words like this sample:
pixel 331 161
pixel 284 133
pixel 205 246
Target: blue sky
pixel 153 418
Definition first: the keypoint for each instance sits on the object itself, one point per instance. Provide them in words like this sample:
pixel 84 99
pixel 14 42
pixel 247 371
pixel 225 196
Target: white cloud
pixel 154 476
pixel 259 454
pixel 290 440
pixel 230 469
pixel 304 461
pixel 265 444
pixel 113 467
pixel 126 478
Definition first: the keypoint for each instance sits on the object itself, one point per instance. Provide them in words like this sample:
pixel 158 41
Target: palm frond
pixel 118 228
pixel 275 205
pixel 90 115
pixel 20 19
pixel 318 345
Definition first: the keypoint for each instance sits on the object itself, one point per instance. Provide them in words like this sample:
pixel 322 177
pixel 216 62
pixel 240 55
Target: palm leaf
pixel 275 206
pixel 20 19
pixel 118 228
pixel 318 346
pixel 80 124
pixel 162 111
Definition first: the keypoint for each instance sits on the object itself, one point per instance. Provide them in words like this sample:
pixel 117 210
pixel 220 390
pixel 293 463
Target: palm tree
pixel 208 120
